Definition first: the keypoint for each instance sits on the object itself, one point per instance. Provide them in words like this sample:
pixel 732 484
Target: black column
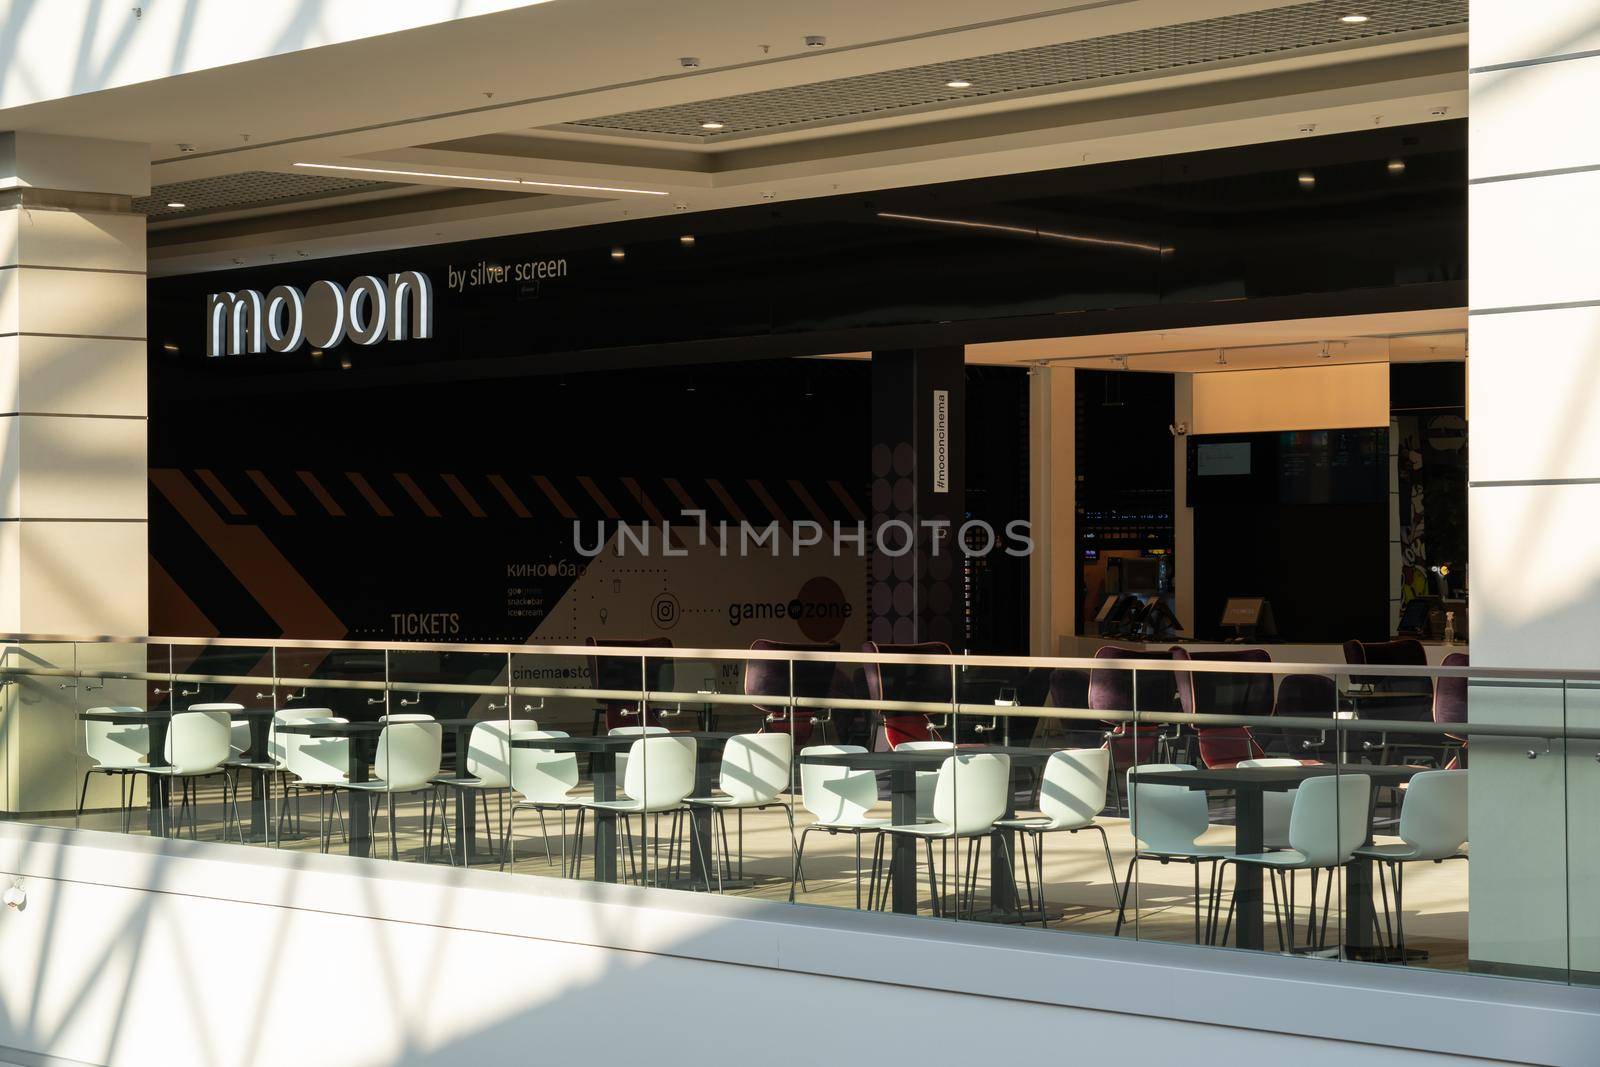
pixel 918 485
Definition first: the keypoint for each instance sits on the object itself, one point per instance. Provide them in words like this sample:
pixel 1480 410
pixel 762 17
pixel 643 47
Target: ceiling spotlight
pixel 344 363
pixel 169 347
pixel 768 196
pixel 185 147
pixel 176 204
pixel 619 254
pixel 687 240
pixel 711 124
pixel 689 62
pixel 302 253
pixel 1437 111
pixel 1354 19
pixel 958 83
pixel 1307 180
pixel 1397 166
pixel 1308 127
pixel 815 40
pixel 316 353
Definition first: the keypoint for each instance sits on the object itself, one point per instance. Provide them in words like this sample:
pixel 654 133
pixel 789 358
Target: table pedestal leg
pixel 602 774
pixel 1247 876
pixel 358 818
pixel 903 857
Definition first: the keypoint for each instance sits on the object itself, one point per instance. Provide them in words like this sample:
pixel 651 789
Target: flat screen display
pixel 1222 458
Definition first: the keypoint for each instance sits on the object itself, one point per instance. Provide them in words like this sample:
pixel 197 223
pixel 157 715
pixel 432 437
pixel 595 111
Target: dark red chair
pixel 1114 689
pixel 1399 697
pixel 770 678
pixel 1305 696
pixel 626 672
pixel 1450 706
pixel 903 681
pixel 1225 694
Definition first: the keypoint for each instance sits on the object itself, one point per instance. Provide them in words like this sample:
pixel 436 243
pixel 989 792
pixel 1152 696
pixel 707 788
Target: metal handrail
pixel 902 659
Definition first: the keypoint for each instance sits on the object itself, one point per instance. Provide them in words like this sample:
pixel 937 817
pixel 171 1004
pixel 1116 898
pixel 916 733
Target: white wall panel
pixel 72 302
pixel 1533 118
pixel 75 467
pixel 1536 395
pixel 1533 241
pixel 73 376
pixel 1514 31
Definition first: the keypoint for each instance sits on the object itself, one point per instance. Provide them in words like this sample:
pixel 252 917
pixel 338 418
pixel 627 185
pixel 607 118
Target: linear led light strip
pixel 480 178
pixel 998 228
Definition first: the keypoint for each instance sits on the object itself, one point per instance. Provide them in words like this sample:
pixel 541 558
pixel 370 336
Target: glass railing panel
pixel 1519 834
pixel 325 748
pixel 844 784
pixel 215 688
pixel 45 740
pixel 1582 833
pixel 553 766
pixel 459 700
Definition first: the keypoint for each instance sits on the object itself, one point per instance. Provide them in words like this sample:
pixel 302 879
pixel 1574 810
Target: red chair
pixel 770 678
pixel 625 672
pixel 1225 694
pixel 1113 689
pixel 897 681
pixel 1450 705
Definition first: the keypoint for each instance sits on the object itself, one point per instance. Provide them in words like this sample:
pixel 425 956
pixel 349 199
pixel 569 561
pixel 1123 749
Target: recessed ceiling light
pixel 176 203
pixel 958 83
pixel 1307 180
pixel 687 240
pixel 1397 166
pixel 483 178
pixel 711 124
pixel 618 253
pixel 1354 19
pixel 169 347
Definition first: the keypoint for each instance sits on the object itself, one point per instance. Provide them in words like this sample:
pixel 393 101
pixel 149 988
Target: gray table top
pixel 1276 779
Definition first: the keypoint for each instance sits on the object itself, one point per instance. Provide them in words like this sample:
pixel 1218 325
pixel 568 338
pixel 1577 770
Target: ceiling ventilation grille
pixel 1232 38
pixel 248 189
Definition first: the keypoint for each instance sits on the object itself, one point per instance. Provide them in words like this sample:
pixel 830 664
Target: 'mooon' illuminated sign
pixel 366 311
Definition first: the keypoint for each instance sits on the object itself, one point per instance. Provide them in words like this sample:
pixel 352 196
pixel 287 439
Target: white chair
pixel 1167 822
pixel 1276 804
pixel 407 761
pixel 319 764
pixel 274 765
pixel 1433 828
pixel 755 771
pixel 118 749
pixel 1071 793
pixel 926 780
pixel 972 790
pixel 238 748
pixel 197 746
pixel 406 716
pixel 839 800
pixel 621 765
pixel 488 770
pixel 1331 819
pixel 541 780
pixel 660 776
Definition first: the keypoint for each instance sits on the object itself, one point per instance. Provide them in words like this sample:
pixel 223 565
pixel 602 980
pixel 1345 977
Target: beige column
pixel 1183 558
pixel 1052 495
pixel 74 555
